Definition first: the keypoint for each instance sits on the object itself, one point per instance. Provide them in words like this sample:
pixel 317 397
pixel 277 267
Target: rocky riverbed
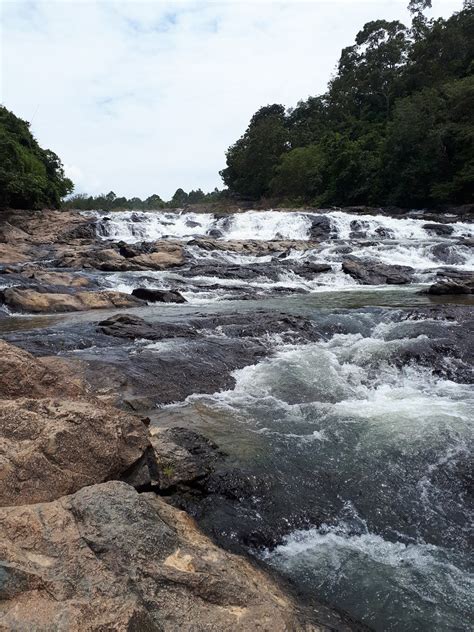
pixel 299 383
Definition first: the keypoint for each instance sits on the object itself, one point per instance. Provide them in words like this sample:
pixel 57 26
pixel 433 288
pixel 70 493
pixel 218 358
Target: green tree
pixel 299 175
pixel 252 159
pixel 30 177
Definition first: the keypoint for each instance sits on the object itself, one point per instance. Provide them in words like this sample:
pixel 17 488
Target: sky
pixel 144 97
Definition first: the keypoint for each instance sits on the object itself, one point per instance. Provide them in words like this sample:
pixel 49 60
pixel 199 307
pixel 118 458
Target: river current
pixel 359 434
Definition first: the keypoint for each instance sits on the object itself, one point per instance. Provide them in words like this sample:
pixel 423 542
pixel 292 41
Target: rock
pixel 255 246
pixel 155 256
pixel 320 228
pixel 134 327
pixel 449 286
pixel 445 252
pixel 65 279
pixel 108 558
pixel 374 273
pixel 182 456
pixel 158 296
pixel 35 302
pixel 441 230
pixel 23 374
pixel 51 447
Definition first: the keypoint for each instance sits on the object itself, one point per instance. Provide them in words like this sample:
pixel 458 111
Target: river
pixel 354 431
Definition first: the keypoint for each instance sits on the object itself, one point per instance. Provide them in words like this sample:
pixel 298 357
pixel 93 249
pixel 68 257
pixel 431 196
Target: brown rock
pixel 108 558
pixel 49 448
pixel 32 301
pixel 66 279
pixel 23 374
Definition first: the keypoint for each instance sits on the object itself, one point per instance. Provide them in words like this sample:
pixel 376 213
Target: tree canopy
pixel 30 177
pixel 395 125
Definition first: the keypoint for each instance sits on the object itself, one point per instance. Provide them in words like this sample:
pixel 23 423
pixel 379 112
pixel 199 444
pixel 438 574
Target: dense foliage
pixel 30 177
pixel 396 125
pixel 110 201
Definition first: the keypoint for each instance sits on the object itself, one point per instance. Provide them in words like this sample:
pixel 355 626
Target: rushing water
pixel 381 239
pixel 362 434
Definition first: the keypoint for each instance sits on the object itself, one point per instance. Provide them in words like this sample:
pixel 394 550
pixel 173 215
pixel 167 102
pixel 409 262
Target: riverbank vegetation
pixel 30 177
pixel 395 126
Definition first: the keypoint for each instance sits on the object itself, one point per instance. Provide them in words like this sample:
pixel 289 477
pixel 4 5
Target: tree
pixel 180 198
pixel 299 175
pixel 252 159
pixel 30 177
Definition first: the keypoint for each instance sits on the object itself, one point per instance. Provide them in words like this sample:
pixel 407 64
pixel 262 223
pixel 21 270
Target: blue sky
pixel 144 97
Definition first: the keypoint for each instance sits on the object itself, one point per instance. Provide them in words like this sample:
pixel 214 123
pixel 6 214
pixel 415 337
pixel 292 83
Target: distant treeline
pixel 395 127
pixel 110 201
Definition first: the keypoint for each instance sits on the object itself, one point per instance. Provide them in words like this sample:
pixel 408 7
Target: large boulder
pixel 49 447
pixel 451 286
pixel 133 327
pixel 36 302
pixel 160 256
pixel 158 296
pixel 23 374
pixel 442 230
pixel 370 272
pixel 320 228
pixel 108 558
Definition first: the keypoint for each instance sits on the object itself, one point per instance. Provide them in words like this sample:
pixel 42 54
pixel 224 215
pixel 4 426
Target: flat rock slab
pixel 35 302
pixel 50 447
pixel 108 558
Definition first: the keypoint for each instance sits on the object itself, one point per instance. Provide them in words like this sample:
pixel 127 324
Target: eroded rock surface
pixel 37 302
pixel 375 273
pixel 107 558
pixel 51 447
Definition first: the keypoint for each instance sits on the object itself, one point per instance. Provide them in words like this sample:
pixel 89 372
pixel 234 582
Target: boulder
pixel 442 230
pixel 49 447
pixel 36 302
pixel 134 327
pixel 158 296
pixel 182 456
pixel 451 286
pixel 320 228
pixel 65 279
pixel 108 558
pixel 23 374
pixel 374 273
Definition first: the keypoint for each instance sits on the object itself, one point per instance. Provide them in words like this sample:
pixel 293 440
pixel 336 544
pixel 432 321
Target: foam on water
pixel 133 226
pixel 335 559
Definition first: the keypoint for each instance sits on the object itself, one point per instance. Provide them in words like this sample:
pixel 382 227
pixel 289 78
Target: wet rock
pixel 51 447
pixel 182 456
pixel 370 272
pixel 158 296
pixel 449 286
pixel 134 327
pixel 37 302
pixel 156 256
pixel 442 230
pixel 446 253
pixel 23 374
pixel 252 246
pixel 320 228
pixel 110 558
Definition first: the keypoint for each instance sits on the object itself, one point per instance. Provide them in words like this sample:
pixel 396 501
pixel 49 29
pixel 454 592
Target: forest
pixel 395 126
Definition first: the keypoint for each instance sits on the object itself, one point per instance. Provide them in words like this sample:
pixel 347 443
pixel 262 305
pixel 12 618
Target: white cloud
pixel 144 97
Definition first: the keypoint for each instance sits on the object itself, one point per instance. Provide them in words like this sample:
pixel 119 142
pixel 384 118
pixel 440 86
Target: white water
pixel 385 240
pixel 133 226
pixel 344 411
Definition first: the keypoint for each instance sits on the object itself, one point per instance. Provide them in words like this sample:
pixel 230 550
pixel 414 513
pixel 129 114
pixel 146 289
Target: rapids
pixel 425 247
